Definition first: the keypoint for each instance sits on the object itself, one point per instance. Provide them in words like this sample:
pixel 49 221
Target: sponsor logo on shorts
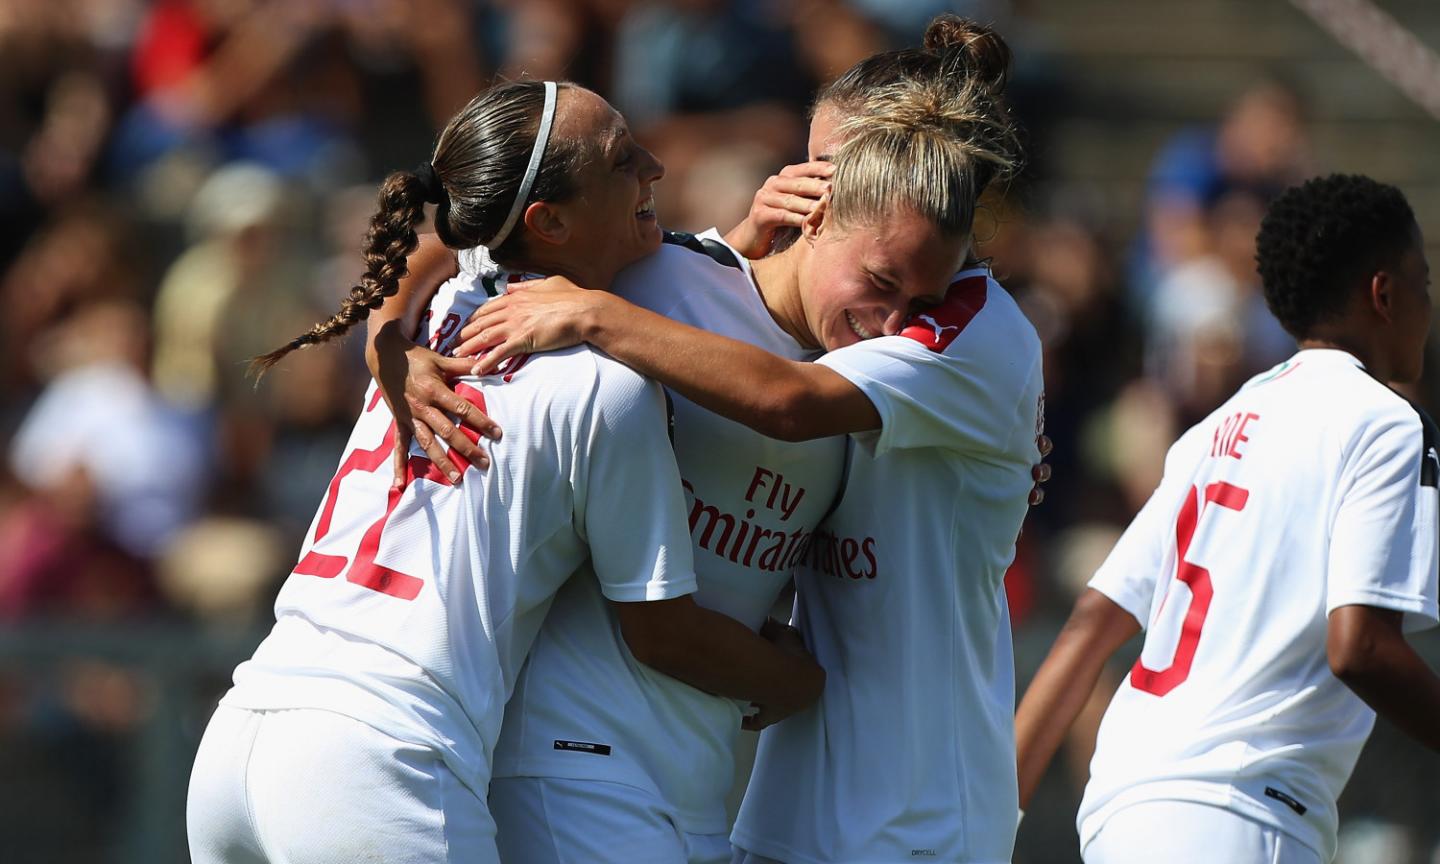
pixel 1272 792
pixel 583 747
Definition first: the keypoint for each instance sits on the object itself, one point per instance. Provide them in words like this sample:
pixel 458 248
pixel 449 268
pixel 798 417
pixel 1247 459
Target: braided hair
pixel 473 177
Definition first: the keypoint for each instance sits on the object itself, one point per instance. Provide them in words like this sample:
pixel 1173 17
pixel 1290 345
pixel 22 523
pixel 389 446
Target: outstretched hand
pixel 540 315
pixel 783 202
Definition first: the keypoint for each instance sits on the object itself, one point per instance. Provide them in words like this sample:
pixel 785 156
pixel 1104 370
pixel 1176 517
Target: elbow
pixel 786 414
pixel 1351 661
pixel 655 632
pixel 645 643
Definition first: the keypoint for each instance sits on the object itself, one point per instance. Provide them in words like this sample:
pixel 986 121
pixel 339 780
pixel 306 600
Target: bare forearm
pixel 717 654
pixel 775 396
pixel 1400 687
pixel 1064 683
pixel 429 266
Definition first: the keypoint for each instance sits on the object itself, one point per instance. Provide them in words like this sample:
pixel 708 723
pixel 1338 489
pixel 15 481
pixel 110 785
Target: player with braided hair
pixel 1289 547
pixel 900 590
pixel 363 727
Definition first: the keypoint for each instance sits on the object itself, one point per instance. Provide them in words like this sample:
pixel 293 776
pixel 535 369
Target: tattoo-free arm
pixel 1097 627
pixel 780 398
pixel 1367 651
pixel 719 655
pixel 413 379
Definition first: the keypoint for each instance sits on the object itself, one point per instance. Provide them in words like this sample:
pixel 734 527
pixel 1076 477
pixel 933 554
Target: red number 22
pixel 363 570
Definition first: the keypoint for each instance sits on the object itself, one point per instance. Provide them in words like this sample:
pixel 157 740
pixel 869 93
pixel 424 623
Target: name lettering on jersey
pixel 1230 435
pixel 776 483
pixel 841 557
pixel 937 328
pixel 742 541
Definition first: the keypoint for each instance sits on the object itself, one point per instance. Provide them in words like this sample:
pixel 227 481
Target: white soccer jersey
pixel 910 754
pixel 413 610
pixel 584 708
pixel 1313 487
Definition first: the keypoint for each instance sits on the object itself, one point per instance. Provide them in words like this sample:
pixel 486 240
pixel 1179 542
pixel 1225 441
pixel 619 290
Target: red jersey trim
pixel 937 328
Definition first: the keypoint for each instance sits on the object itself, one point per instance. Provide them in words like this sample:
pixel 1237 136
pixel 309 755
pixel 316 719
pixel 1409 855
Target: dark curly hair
pixel 1318 239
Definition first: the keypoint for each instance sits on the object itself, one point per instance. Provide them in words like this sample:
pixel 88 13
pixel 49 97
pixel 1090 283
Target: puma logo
pixel 938 327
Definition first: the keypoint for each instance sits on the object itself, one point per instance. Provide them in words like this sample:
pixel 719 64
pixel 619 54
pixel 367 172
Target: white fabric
pixel 1182 832
pixel 310 787
pixel 910 754
pixel 1333 512
pixel 583 476
pixel 544 820
pixel 753 503
pixel 532 168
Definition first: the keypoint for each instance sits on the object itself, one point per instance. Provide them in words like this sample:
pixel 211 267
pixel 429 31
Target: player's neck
pixel 778 279
pixel 1357 347
pixel 585 274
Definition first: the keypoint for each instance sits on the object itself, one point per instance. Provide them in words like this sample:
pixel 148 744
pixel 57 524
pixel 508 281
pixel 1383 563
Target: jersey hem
pixel 743 842
pixel 1427 613
pixel 652 590
pixel 690 822
pixel 1219 795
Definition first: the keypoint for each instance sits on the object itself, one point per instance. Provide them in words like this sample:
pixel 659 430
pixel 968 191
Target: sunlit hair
pixel 927 131
pixel 478 162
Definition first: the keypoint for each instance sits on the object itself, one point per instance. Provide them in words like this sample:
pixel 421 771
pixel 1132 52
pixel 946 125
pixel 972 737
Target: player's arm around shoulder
pixel 1096 629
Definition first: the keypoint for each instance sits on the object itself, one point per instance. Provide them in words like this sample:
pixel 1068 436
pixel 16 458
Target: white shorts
pixel 740 856
pixel 544 820
pixel 313 787
pixel 1183 832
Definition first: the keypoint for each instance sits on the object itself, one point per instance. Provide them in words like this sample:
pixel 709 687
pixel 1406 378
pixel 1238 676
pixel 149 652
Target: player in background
pixel 1289 547
pixel 909 753
pixel 364 726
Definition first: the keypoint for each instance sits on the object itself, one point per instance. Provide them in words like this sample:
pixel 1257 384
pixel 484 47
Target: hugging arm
pixel 777 397
pixel 414 379
pixel 717 654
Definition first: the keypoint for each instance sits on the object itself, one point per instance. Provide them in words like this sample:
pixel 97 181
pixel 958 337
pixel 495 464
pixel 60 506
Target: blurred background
pixel 184 183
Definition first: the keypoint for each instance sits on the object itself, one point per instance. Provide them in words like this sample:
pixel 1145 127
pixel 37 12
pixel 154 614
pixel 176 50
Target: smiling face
pixel 865 281
pixel 611 218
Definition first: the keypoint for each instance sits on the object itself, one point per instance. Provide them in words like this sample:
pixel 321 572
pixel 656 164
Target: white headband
pixel 537 153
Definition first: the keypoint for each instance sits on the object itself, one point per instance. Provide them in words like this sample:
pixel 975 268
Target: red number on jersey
pixel 364 571
pixel 1162 681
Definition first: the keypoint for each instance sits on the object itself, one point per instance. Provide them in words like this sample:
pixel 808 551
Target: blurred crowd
pixel 184 184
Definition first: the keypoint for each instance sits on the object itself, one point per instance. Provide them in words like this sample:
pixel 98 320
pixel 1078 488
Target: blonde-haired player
pixel 1288 548
pixel 909 755
pixel 365 724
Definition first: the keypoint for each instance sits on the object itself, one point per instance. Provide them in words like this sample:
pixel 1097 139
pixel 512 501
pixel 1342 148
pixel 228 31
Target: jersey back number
pixel 1197 578
pixel 360 566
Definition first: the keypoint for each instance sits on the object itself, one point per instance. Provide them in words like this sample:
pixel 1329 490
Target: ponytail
pixel 388 243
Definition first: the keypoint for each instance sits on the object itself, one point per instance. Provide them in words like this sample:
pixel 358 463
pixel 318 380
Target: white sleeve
pixel 1143 556
pixel 928 399
pixel 629 505
pixel 1145 553
pixel 1383 539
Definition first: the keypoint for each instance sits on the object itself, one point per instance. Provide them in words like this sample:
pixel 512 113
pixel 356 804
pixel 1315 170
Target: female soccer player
pixel 901 593
pixel 1289 547
pixel 364 726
